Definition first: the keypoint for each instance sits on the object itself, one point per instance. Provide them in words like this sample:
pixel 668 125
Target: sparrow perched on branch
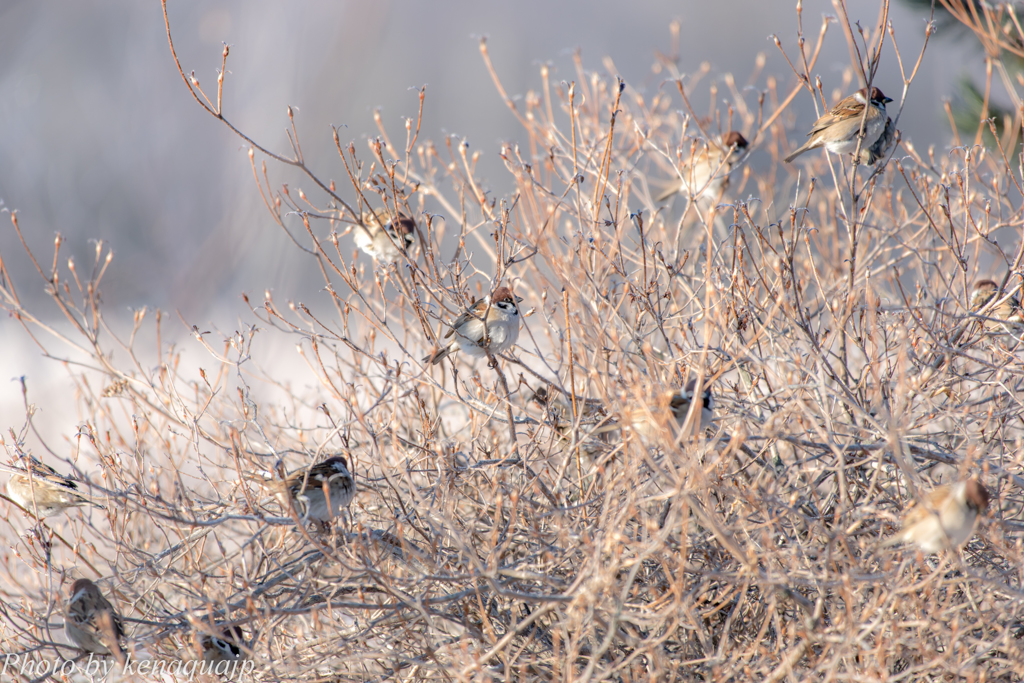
pixel 647 423
pixel 91 622
pixel 319 492
pixel 225 647
pixel 943 518
pixel 42 491
pixel 838 131
pixel 382 238
pixel 1008 310
pixel 707 173
pixel 642 420
pixel 492 323
pixel 559 408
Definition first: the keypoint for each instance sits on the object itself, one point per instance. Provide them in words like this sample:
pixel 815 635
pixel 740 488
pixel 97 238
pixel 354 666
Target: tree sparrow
pixel 475 336
pixel 559 409
pixel 647 422
pixel 558 412
pixel 1009 310
pixel 838 131
pixel 379 237
pixel 91 622
pixel 943 518
pixel 319 492
pixel 40 490
pixel 226 647
pixel 707 174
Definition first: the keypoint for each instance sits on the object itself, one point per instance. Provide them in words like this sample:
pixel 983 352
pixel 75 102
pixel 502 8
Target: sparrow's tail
pixel 798 151
pixel 439 355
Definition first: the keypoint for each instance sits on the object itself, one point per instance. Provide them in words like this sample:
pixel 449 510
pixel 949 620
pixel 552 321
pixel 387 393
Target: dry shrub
pixel 828 313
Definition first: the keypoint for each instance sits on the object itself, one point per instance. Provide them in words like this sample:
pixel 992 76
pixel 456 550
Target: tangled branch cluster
pixel 492 537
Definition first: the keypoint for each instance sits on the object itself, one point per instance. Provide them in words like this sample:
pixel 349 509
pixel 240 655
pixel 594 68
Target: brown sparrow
pixel 91 622
pixel 226 647
pixel 380 238
pixel 559 409
pixel 838 131
pixel 943 518
pixel 319 492
pixel 474 336
pixel 40 490
pixel 646 422
pixel 707 173
pixel 1009 310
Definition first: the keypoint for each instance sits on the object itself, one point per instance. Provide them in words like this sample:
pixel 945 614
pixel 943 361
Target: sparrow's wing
pixel 471 313
pixel 844 129
pixel 824 123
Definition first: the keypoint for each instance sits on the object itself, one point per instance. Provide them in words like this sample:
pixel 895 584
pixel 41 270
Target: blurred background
pixel 100 139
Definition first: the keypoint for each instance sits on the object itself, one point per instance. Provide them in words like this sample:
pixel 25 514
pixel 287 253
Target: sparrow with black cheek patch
pixel 225 647
pixel 318 493
pixel 42 491
pixel 647 422
pixel 91 622
pixel 707 173
pixel 944 518
pixel 1008 310
pixel 838 131
pixel 492 323
pixel 383 238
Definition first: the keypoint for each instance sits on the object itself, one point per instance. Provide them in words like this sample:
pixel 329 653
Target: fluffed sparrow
pixel 707 173
pixel 379 237
pixel 1008 310
pixel 471 334
pixel 91 622
pixel 943 518
pixel 41 490
pixel 225 647
pixel 838 130
pixel 647 422
pixel 319 492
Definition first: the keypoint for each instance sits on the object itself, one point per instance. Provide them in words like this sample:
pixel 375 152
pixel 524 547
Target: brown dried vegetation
pixel 828 314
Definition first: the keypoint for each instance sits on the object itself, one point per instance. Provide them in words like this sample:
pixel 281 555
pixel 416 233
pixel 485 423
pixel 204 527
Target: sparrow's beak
pixel 519 299
pixel 887 100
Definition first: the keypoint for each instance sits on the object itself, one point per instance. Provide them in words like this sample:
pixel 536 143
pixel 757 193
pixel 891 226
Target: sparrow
pixel 559 409
pixel 943 518
pixel 1009 310
pixel 91 622
pixel 647 422
pixel 226 647
pixel 838 130
pixel 42 491
pixel 707 173
pixel 319 492
pixel 379 237
pixel 474 336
